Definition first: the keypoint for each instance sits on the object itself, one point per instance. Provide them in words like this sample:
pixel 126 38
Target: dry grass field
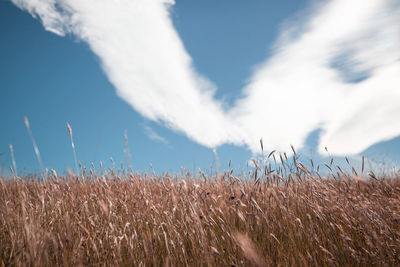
pixel 278 219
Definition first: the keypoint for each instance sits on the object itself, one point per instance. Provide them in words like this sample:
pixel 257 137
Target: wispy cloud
pixel 299 89
pixel 336 67
pixel 153 135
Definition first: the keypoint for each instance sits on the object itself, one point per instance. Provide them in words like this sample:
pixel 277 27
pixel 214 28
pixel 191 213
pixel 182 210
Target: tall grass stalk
pixel 127 152
pixel 35 147
pixel 217 164
pixel 15 171
pixel 73 149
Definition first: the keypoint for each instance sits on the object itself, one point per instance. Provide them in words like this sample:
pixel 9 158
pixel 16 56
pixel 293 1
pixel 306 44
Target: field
pixel 278 218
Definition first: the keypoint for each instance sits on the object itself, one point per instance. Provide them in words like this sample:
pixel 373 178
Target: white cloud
pixel 298 90
pixel 291 94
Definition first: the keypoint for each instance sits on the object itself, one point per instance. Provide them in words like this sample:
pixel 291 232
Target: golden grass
pixel 226 221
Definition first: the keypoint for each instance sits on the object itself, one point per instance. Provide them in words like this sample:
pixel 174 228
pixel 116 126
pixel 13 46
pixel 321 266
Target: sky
pixel 182 78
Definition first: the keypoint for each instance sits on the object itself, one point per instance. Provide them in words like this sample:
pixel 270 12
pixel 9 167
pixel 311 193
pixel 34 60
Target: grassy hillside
pixel 299 219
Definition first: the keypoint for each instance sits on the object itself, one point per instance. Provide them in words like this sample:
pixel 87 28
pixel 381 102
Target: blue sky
pixel 71 73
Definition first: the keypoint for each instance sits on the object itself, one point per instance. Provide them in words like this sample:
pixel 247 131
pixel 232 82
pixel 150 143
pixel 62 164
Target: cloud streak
pixel 153 135
pixel 336 68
